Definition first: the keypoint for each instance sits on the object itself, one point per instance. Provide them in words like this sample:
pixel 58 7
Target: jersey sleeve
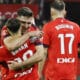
pixel 34 39
pixel 4 33
pixel 0 41
pixel 46 36
pixel 79 36
pixel 3 54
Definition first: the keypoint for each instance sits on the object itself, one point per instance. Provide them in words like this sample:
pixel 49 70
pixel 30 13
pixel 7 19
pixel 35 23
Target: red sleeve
pixel 79 36
pixel 46 36
pixel 34 40
pixel 3 54
pixel 33 28
pixel 0 41
pixel 78 71
pixel 4 33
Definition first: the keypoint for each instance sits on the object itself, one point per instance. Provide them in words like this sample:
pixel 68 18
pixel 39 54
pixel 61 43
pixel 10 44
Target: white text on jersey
pixel 19 49
pixel 65 60
pixel 61 26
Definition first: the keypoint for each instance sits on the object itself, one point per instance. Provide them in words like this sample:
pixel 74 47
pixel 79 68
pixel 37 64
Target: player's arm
pixel 37 57
pixel 41 65
pixel 14 42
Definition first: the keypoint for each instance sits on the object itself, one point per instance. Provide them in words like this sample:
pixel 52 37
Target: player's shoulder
pixel 3 49
pixel 4 31
pixel 72 23
pixel 48 25
pixel 33 28
pixel 4 27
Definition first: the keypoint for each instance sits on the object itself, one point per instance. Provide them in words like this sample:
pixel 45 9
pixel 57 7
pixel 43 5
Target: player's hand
pixel 42 77
pixel 13 65
pixel 36 33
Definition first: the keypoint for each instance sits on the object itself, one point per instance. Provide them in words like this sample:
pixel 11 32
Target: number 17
pixel 62 44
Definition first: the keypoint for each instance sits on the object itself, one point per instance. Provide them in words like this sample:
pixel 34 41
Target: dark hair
pixel 13 25
pixel 25 11
pixel 58 4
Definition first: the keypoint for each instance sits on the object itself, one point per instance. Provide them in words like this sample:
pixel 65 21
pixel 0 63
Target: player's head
pixel 58 9
pixel 25 16
pixel 13 25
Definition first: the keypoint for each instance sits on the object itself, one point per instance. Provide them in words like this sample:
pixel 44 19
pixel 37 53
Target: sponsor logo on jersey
pixel 65 60
pixel 23 73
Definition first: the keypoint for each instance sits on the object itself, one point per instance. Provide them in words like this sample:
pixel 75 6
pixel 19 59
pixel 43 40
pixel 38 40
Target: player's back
pixel 64 38
pixel 62 50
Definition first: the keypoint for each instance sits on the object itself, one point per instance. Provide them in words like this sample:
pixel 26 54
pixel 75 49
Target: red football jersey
pixel 78 70
pixel 0 41
pixel 4 57
pixel 19 55
pixel 61 37
pixel 4 33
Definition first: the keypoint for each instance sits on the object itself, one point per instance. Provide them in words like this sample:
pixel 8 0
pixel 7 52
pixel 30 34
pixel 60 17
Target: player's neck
pixel 57 16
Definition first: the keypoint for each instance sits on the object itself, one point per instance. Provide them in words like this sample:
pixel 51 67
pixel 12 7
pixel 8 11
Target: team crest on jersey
pixel 19 49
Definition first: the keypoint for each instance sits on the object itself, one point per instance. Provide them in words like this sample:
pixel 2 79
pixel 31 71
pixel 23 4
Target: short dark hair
pixel 13 25
pixel 25 11
pixel 58 5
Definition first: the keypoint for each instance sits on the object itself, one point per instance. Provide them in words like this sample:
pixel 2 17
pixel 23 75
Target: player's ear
pixel 64 12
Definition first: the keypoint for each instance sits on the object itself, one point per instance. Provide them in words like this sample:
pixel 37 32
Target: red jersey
pixel 78 70
pixel 4 57
pixel 5 33
pixel 19 55
pixel 61 37
pixel 0 41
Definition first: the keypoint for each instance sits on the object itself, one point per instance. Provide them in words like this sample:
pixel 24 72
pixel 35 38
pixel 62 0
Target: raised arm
pixel 14 42
pixel 42 65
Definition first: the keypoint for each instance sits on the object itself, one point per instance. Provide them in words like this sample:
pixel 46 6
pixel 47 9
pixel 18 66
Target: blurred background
pixel 41 9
